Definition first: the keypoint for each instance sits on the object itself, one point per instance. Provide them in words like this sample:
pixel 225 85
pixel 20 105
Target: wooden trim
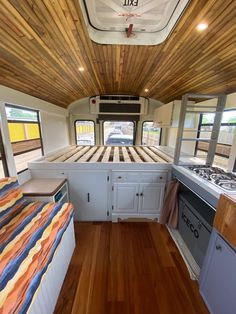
pixel 3 156
pixel 36 187
pixel 225 218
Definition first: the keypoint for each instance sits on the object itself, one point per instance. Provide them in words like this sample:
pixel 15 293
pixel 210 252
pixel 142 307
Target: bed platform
pixel 108 154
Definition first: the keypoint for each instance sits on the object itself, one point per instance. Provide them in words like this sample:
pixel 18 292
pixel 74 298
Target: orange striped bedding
pixel 28 240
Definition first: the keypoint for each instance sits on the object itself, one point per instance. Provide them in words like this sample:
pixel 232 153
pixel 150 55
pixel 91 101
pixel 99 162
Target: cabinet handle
pixel 218 247
pixel 161 177
pixel 88 196
pixel 141 194
pixel 119 177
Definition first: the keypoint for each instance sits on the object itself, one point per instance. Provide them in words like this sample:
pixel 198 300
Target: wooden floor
pixel 127 268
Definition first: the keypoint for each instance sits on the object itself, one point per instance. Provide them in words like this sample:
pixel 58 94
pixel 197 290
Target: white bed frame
pixel 46 296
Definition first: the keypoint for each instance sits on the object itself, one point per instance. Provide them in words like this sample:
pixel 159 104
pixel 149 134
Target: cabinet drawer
pixel 139 177
pixel 151 177
pixel 132 177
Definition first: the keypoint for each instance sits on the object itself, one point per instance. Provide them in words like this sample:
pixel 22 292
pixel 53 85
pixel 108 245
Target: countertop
pixel 41 187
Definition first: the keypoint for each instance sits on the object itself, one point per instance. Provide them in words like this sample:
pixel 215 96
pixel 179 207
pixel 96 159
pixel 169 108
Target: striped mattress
pixel 29 235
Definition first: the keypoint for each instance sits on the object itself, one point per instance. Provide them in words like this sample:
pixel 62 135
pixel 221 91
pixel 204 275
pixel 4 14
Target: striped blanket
pixel 29 235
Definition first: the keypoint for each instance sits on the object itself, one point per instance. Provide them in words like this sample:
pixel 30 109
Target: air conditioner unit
pixel 118 105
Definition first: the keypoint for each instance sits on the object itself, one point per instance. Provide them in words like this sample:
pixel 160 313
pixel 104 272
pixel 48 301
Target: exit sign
pixel 130 3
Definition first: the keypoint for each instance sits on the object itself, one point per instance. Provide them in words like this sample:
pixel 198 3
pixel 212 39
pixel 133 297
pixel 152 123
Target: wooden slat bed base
pixel 153 155
pixel 68 155
pixel 134 155
pixel 105 154
pixel 116 157
pixel 125 154
pixel 57 155
pixel 76 156
pixel 97 155
pixel 161 154
pixel 145 156
pixel 89 153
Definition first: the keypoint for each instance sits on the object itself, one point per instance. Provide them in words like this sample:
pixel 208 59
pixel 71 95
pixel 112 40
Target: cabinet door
pixel 125 197
pixel 218 280
pixel 89 194
pixel 163 114
pixel 151 197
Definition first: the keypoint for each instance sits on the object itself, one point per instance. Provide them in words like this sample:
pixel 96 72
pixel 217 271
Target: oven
pixel 201 187
pixel 195 223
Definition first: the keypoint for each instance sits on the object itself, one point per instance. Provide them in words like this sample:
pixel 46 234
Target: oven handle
pixel 174 177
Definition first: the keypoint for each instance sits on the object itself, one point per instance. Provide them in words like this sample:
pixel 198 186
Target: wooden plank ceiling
pixel 43 42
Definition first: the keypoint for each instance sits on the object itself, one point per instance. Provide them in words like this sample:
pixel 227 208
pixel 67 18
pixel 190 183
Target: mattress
pixel 28 241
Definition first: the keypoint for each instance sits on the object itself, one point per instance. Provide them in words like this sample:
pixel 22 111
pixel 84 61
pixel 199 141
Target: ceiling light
pixel 202 26
pixel 81 69
pixel 146 90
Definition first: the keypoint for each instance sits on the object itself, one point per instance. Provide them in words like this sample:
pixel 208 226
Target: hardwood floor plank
pixel 128 268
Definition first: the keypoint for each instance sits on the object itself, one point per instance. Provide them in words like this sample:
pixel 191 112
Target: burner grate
pixel 217 176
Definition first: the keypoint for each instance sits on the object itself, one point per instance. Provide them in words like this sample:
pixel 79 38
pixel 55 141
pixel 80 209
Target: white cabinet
pixel 125 197
pixel 137 194
pixel 151 197
pixel 218 276
pixel 163 115
pixel 89 194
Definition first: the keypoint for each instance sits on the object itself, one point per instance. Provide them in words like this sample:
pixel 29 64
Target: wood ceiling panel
pixel 43 42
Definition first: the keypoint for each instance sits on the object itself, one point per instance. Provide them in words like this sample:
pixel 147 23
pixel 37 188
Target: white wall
pixel 55 131
pixel 54 124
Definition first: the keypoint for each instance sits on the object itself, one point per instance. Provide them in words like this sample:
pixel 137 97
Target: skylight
pixel 131 22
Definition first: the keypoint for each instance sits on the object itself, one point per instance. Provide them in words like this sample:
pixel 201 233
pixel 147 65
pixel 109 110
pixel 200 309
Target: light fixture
pixel 202 26
pixel 146 90
pixel 81 69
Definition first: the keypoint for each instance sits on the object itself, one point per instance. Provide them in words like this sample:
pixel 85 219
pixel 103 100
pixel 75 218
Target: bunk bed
pixel 36 244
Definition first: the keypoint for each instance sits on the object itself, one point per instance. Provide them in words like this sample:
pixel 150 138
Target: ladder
pixel 188 107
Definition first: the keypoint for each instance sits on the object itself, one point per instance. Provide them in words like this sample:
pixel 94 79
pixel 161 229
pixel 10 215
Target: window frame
pixel 89 120
pixel 134 129
pixel 200 124
pixel 3 156
pixel 142 132
pixel 7 105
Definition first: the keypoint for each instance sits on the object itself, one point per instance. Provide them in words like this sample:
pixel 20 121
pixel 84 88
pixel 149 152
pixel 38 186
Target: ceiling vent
pixel 118 105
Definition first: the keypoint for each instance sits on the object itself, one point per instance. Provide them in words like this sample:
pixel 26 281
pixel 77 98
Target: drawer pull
pixel 141 194
pixel 137 194
pixel 161 177
pixel 119 177
pixel 218 247
pixel 88 195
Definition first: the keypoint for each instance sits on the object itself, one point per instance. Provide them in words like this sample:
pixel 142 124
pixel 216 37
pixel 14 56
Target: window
pixel 225 140
pixel 3 164
pixel 85 132
pixel 151 135
pixel 118 133
pixel 25 135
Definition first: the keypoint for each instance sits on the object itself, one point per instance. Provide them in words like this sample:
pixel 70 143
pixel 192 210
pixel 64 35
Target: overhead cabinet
pixel 168 115
pixel 163 115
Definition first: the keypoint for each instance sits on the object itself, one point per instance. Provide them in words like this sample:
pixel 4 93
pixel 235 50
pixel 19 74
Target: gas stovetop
pixel 217 176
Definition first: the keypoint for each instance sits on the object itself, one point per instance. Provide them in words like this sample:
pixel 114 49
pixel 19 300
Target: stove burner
pixel 227 185
pixel 217 176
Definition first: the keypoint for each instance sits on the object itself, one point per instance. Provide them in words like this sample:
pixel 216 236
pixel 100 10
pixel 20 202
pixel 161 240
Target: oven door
pixel 193 230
